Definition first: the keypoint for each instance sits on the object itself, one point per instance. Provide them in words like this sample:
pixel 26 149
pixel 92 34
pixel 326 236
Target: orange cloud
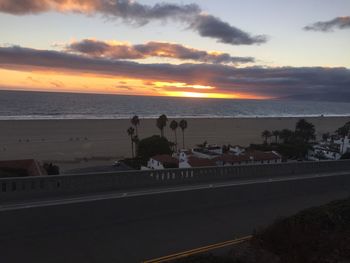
pixel 120 50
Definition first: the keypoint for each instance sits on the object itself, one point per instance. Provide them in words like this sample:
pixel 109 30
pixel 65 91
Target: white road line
pixel 100 197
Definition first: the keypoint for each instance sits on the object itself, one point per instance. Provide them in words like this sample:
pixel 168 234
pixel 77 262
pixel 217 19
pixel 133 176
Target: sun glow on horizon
pixel 89 83
pixel 160 84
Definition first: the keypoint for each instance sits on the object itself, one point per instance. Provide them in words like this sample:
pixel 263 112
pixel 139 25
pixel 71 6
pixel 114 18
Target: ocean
pixel 47 105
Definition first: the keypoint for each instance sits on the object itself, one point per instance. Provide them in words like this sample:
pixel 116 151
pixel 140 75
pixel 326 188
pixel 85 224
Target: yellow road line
pixel 199 250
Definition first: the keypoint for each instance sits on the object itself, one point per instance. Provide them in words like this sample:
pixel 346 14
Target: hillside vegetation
pixel 316 235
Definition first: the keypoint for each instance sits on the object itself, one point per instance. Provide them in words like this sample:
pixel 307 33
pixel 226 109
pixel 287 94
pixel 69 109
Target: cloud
pixel 269 82
pixel 57 84
pixel 117 50
pixel 210 26
pixel 328 26
pixel 139 14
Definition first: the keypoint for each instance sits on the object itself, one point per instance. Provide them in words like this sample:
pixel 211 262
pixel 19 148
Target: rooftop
pixel 19 168
pixel 200 162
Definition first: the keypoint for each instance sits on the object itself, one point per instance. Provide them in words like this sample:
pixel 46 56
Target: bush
pixel 320 234
pixel 152 146
pixel 345 156
pixel 51 169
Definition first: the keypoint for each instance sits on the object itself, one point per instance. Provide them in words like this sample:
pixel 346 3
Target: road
pixel 139 226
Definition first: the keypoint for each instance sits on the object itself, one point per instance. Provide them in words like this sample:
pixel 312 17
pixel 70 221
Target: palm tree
pixel 276 134
pixel 136 141
pixel 266 135
pixel 183 126
pixel 135 121
pixel 161 123
pixel 174 125
pixel 131 132
pixel 305 130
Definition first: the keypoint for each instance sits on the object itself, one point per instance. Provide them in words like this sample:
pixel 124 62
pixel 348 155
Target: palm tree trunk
pixel 183 139
pixel 137 131
pixel 132 147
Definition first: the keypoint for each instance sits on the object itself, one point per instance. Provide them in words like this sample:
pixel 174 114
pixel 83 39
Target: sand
pixel 73 140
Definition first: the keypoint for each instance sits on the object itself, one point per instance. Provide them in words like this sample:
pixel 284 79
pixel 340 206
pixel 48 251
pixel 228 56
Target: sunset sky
pixel 213 49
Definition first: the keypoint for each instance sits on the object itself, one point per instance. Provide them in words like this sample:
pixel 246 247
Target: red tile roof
pixel 200 162
pixel 230 158
pixel 249 156
pixel 31 166
pixel 264 156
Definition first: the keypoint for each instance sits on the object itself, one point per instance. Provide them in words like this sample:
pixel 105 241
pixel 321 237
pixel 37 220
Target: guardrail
pixel 47 186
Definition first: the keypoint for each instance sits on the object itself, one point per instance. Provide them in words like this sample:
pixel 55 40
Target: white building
pixel 344 144
pixel 332 149
pixel 323 152
pixel 237 150
pixel 204 153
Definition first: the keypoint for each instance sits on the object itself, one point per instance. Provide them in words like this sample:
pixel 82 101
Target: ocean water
pixel 45 105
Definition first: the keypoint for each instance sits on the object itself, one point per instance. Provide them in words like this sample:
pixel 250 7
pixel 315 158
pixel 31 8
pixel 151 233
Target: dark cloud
pixel 327 26
pixel 152 49
pixel 210 26
pixel 136 13
pixel 275 82
pixel 57 84
pixel 123 87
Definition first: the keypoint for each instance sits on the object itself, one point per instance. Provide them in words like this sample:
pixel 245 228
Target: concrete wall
pixel 12 189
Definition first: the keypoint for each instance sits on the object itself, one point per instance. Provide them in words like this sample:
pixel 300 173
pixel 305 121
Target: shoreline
pixel 51 118
pixel 78 139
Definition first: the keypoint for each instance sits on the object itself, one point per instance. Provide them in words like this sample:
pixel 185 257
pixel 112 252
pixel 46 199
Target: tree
pixel 305 130
pixel 131 132
pixel 152 146
pixel 326 136
pixel 51 169
pixel 344 130
pixel 286 135
pixel 135 121
pixel 266 135
pixel 161 123
pixel 174 125
pixel 276 134
pixel 345 156
pixel 183 126
pixel 136 142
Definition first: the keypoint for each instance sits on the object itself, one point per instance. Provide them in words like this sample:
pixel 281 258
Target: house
pixel 344 144
pixel 323 152
pixel 163 161
pixel 236 150
pixel 232 159
pixel 249 157
pixel 20 168
pixel 330 149
pixel 214 149
pixel 260 157
pixel 183 155
pixel 204 153
pixel 194 161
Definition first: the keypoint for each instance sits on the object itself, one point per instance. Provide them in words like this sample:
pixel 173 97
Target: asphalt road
pixel 137 227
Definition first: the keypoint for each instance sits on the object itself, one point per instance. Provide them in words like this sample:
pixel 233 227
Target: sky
pixel 241 49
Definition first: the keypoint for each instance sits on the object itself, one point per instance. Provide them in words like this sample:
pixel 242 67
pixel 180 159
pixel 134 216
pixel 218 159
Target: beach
pixel 97 140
